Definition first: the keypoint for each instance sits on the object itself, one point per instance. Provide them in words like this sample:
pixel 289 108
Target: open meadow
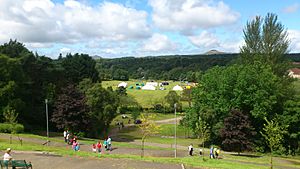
pixel 146 98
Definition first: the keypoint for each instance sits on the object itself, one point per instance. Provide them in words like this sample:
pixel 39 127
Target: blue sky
pixel 119 28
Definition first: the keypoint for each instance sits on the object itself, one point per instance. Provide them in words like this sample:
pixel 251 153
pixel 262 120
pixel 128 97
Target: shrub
pixel 11 128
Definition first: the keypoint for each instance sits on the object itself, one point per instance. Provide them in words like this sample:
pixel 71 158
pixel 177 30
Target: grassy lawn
pixel 229 160
pixel 145 98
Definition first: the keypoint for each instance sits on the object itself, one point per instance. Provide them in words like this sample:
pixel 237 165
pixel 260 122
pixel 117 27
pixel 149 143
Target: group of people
pixel 71 140
pixel 98 147
pixel 214 151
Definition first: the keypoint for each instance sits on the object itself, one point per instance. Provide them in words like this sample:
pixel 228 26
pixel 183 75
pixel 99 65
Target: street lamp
pixel 175 130
pixel 46 102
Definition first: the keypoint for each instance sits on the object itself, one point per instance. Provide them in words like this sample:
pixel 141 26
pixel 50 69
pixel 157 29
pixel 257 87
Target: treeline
pixel 76 99
pixel 252 104
pixel 177 67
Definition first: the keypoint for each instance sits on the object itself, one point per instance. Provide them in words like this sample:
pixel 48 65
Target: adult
pixel 7 156
pixel 65 136
pixel 109 144
pixel 191 149
pixel 211 152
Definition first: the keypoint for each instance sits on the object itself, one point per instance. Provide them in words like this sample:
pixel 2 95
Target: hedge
pixel 8 128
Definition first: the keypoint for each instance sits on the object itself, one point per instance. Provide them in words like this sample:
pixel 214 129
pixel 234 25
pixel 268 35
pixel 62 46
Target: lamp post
pixel 175 130
pixel 46 102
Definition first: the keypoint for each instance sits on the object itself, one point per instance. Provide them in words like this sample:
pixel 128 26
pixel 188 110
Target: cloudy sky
pixel 116 28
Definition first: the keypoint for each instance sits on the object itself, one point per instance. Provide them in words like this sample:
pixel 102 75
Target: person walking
pixel 191 149
pixel 211 152
pixel 65 135
pixel 99 147
pixel 109 144
pixel 105 144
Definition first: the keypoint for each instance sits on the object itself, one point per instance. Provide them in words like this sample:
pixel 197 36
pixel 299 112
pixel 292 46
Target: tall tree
pixel 172 97
pixel 70 110
pixel 266 40
pixel 79 66
pixel 103 105
pixel 237 133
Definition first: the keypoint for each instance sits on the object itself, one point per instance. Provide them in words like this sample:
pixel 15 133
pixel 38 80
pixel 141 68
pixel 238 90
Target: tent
pixel 122 84
pixel 148 87
pixel 177 88
pixel 152 84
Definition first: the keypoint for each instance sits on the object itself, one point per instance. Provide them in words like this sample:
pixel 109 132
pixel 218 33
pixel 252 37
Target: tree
pixel 103 105
pixel 253 89
pixel 172 97
pixel 273 134
pixel 237 133
pixel 70 110
pixel 266 40
pixel 187 96
pixel 203 132
pixel 10 117
pixel 79 66
pixel 147 127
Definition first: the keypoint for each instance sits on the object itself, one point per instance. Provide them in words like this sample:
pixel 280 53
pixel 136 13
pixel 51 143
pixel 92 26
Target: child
pixel 94 148
pixel 105 144
pixel 99 146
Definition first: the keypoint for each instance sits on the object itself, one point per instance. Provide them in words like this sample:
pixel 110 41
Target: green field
pixel 146 98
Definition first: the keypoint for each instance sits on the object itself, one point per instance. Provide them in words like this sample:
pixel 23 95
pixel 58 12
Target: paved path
pixel 48 161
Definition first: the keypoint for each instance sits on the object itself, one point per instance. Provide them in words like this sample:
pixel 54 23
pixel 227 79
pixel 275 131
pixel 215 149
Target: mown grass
pixel 145 98
pixel 229 160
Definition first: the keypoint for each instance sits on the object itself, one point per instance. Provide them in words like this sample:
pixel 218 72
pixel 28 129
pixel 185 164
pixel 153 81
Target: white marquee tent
pixel 178 88
pixel 148 87
pixel 123 84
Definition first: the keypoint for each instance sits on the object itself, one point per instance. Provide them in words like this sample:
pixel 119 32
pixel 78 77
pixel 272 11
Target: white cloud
pixel 189 15
pixel 205 39
pixel 40 21
pixel 65 50
pixel 294 36
pixel 159 43
pixel 208 41
pixel 292 8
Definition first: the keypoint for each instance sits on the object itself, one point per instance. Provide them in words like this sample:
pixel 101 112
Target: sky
pixel 119 28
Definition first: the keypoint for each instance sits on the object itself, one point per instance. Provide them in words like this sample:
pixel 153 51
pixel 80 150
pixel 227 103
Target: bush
pixel 11 128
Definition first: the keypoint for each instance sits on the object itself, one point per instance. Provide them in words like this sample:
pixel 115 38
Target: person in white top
pixel 191 149
pixel 65 135
pixel 109 143
pixel 7 156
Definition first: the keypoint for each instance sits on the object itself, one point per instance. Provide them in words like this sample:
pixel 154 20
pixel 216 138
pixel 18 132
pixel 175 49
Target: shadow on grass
pixel 247 155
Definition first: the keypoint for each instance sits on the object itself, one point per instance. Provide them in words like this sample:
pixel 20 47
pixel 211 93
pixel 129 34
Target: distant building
pixel 294 73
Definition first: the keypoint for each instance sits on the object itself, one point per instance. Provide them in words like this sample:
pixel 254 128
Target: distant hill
pixel 168 67
pixel 213 52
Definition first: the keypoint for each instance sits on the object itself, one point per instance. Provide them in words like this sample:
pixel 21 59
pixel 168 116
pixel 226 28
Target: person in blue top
pixel 211 152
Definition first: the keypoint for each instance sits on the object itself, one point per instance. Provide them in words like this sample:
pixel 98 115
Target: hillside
pixel 171 67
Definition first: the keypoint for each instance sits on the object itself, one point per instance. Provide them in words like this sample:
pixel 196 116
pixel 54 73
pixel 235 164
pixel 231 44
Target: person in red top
pixel 99 146
pixel 94 148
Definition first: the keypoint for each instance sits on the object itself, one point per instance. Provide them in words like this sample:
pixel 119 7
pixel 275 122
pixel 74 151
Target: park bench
pixel 16 164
